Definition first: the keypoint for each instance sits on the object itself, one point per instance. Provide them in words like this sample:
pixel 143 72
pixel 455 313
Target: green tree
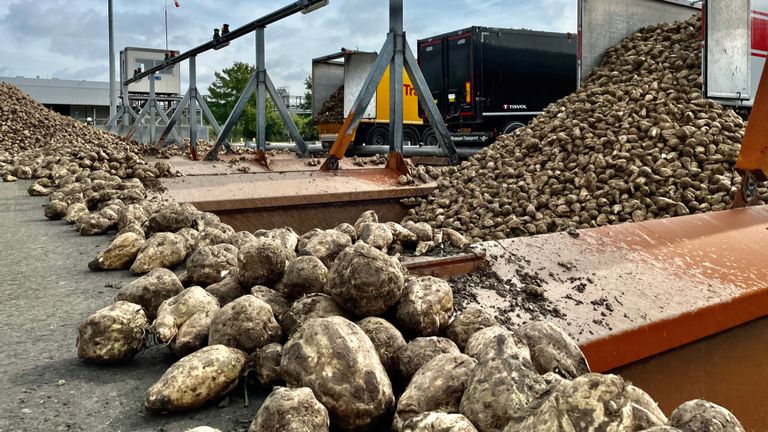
pixel 305 123
pixel 307 104
pixel 224 92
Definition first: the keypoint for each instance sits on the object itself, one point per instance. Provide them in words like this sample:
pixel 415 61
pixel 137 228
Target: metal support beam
pixel 112 122
pixel 152 103
pixel 112 81
pixel 396 76
pixel 396 162
pixel 396 54
pixel 233 118
pixel 191 98
pixel 164 118
pixel 193 102
pixel 282 13
pixel 175 117
pixel 131 113
pixel 262 85
pixel 367 91
pixel 209 115
pixel 283 111
pixel 151 111
pixel 261 92
pixel 127 110
pixel 138 121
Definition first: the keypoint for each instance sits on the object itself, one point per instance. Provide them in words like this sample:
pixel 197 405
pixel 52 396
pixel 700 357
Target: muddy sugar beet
pixel 333 357
pixel 197 379
pixel 113 334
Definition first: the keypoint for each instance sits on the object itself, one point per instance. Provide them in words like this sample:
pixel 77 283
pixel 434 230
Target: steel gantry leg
pixel 137 122
pixel 283 111
pixel 396 161
pixel 211 119
pixel 152 108
pixel 396 54
pixel 261 99
pixel 175 117
pixel 263 86
pixel 188 104
pixel 347 131
pixel 164 118
pixel 112 122
pixel 233 118
pixel 193 104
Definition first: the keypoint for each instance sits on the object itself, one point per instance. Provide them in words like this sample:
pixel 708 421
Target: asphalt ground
pixel 46 291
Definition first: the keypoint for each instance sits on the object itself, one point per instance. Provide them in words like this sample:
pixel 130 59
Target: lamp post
pixel 112 82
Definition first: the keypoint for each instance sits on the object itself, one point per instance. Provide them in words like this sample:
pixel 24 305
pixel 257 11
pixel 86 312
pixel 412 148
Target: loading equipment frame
pixel 259 82
pixel 396 53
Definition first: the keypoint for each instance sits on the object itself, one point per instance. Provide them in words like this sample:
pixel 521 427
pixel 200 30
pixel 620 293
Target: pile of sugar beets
pixel 637 141
pixel 348 340
pixel 345 337
pixel 41 144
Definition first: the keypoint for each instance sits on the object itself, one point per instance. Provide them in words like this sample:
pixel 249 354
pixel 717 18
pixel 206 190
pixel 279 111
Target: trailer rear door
pixel 432 63
pixel 727 51
pixel 460 81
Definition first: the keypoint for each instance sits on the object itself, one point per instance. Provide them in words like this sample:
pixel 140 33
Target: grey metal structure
pixel 192 97
pixel 303 6
pixel 727 50
pixel 605 23
pixel 261 84
pixel 188 103
pixel 396 54
pixel 150 112
pixel 112 83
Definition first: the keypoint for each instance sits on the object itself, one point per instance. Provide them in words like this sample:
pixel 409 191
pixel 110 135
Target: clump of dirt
pixel 524 296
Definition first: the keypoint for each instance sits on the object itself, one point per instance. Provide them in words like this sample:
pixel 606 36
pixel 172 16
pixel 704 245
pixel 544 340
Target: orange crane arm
pixel 752 162
pixel 753 156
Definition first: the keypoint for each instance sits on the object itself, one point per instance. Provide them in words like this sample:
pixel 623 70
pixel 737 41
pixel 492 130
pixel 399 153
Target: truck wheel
pixel 511 127
pixel 378 136
pixel 429 138
pixel 410 137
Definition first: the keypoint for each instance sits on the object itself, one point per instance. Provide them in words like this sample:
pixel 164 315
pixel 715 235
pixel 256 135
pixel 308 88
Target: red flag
pixel 176 2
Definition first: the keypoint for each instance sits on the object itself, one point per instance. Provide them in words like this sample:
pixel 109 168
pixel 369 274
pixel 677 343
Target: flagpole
pixel 166 25
pixel 112 83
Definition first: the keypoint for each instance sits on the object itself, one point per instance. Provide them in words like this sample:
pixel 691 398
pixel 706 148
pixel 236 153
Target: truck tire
pixel 429 139
pixel 378 135
pixel 410 137
pixel 511 127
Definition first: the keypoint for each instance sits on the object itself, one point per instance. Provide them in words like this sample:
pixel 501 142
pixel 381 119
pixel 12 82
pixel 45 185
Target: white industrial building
pixel 77 99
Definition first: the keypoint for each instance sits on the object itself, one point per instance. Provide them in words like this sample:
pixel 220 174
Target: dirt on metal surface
pixel 509 298
pixel 247 163
pixel 630 291
pixel 280 189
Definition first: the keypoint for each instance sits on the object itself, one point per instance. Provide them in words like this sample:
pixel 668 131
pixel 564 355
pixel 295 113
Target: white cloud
pixel 69 39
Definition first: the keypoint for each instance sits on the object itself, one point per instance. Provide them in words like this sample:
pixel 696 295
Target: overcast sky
pixel 68 39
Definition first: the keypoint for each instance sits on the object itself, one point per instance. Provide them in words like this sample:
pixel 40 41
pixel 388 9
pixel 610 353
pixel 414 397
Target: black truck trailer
pixel 490 81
